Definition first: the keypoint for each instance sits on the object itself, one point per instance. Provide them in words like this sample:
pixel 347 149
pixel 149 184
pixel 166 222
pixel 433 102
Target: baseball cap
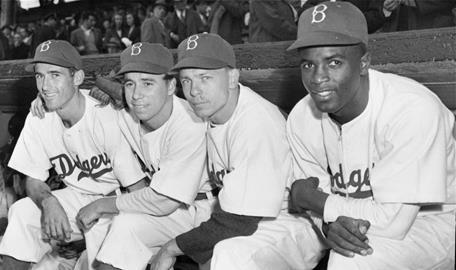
pixel 146 58
pixel 206 51
pixel 56 52
pixel 331 23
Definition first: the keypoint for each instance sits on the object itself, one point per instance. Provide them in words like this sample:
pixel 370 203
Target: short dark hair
pixel 50 16
pixel 6 26
pixel 86 15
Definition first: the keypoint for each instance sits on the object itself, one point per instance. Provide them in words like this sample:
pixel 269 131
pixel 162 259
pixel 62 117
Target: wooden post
pixel 8 12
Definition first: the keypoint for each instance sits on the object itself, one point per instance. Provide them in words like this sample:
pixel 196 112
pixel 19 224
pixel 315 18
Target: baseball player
pixel 78 140
pixel 380 146
pixel 250 160
pixel 170 140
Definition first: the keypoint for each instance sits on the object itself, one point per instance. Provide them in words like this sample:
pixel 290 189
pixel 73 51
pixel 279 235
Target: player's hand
pixel 54 221
pixel 37 107
pixel 174 37
pixel 347 236
pixel 166 256
pixel 108 90
pixel 299 188
pixel 71 250
pixel 391 5
pixel 99 95
pixel 88 215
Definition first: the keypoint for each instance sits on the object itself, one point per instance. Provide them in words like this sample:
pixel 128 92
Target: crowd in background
pixel 238 21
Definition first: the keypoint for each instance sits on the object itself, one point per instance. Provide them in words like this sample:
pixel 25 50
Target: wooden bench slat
pixel 427 56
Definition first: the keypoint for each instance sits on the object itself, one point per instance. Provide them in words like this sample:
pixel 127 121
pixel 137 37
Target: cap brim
pixel 200 62
pixel 323 39
pixel 143 68
pixel 31 67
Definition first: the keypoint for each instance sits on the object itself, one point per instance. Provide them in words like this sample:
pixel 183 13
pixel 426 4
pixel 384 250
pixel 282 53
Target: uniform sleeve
pixel 260 162
pixel 29 156
pixel 412 165
pixel 124 164
pixel 145 201
pixel 182 165
pixel 199 242
pixel 305 163
pixel 387 219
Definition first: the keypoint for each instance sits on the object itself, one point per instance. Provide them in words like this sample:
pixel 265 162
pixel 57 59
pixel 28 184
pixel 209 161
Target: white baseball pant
pixel 22 239
pixel 134 238
pixel 430 245
pixel 286 242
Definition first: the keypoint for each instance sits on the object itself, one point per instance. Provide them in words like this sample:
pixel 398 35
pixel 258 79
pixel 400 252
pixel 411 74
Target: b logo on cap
pixel 45 46
pixel 136 48
pixel 318 14
pixel 191 42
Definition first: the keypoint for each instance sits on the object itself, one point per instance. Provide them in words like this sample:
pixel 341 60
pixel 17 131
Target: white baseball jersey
pixel 92 156
pixel 249 157
pixel 174 154
pixel 399 150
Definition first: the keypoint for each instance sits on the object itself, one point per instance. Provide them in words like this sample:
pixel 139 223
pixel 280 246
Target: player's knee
pixel 123 223
pixel 339 262
pixel 226 248
pixel 21 208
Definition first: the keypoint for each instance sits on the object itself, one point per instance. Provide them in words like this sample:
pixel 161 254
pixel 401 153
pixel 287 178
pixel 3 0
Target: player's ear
pixel 78 77
pixel 233 77
pixel 171 86
pixel 365 63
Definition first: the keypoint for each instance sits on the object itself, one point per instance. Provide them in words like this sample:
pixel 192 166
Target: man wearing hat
pixel 152 29
pixel 250 160
pixel 379 147
pixel 170 141
pixel 80 141
pixel 182 23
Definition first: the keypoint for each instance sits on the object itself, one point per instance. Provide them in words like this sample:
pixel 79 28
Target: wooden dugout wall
pixel 428 56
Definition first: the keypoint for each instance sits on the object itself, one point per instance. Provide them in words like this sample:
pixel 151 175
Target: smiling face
pixel 209 91
pixel 57 85
pixel 146 94
pixel 335 78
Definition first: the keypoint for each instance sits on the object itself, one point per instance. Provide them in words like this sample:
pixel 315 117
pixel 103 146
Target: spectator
pixel 141 14
pixel 105 25
pixel 203 10
pixel 87 38
pixel 412 14
pixel 114 35
pixel 31 28
pixel 372 10
pixel 12 177
pixel 11 181
pixel 182 23
pixel 272 20
pixel 20 50
pixel 134 32
pixel 4 47
pixel 8 33
pixel 61 30
pixel 25 35
pixel 152 29
pixel 227 19
pixel 46 32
